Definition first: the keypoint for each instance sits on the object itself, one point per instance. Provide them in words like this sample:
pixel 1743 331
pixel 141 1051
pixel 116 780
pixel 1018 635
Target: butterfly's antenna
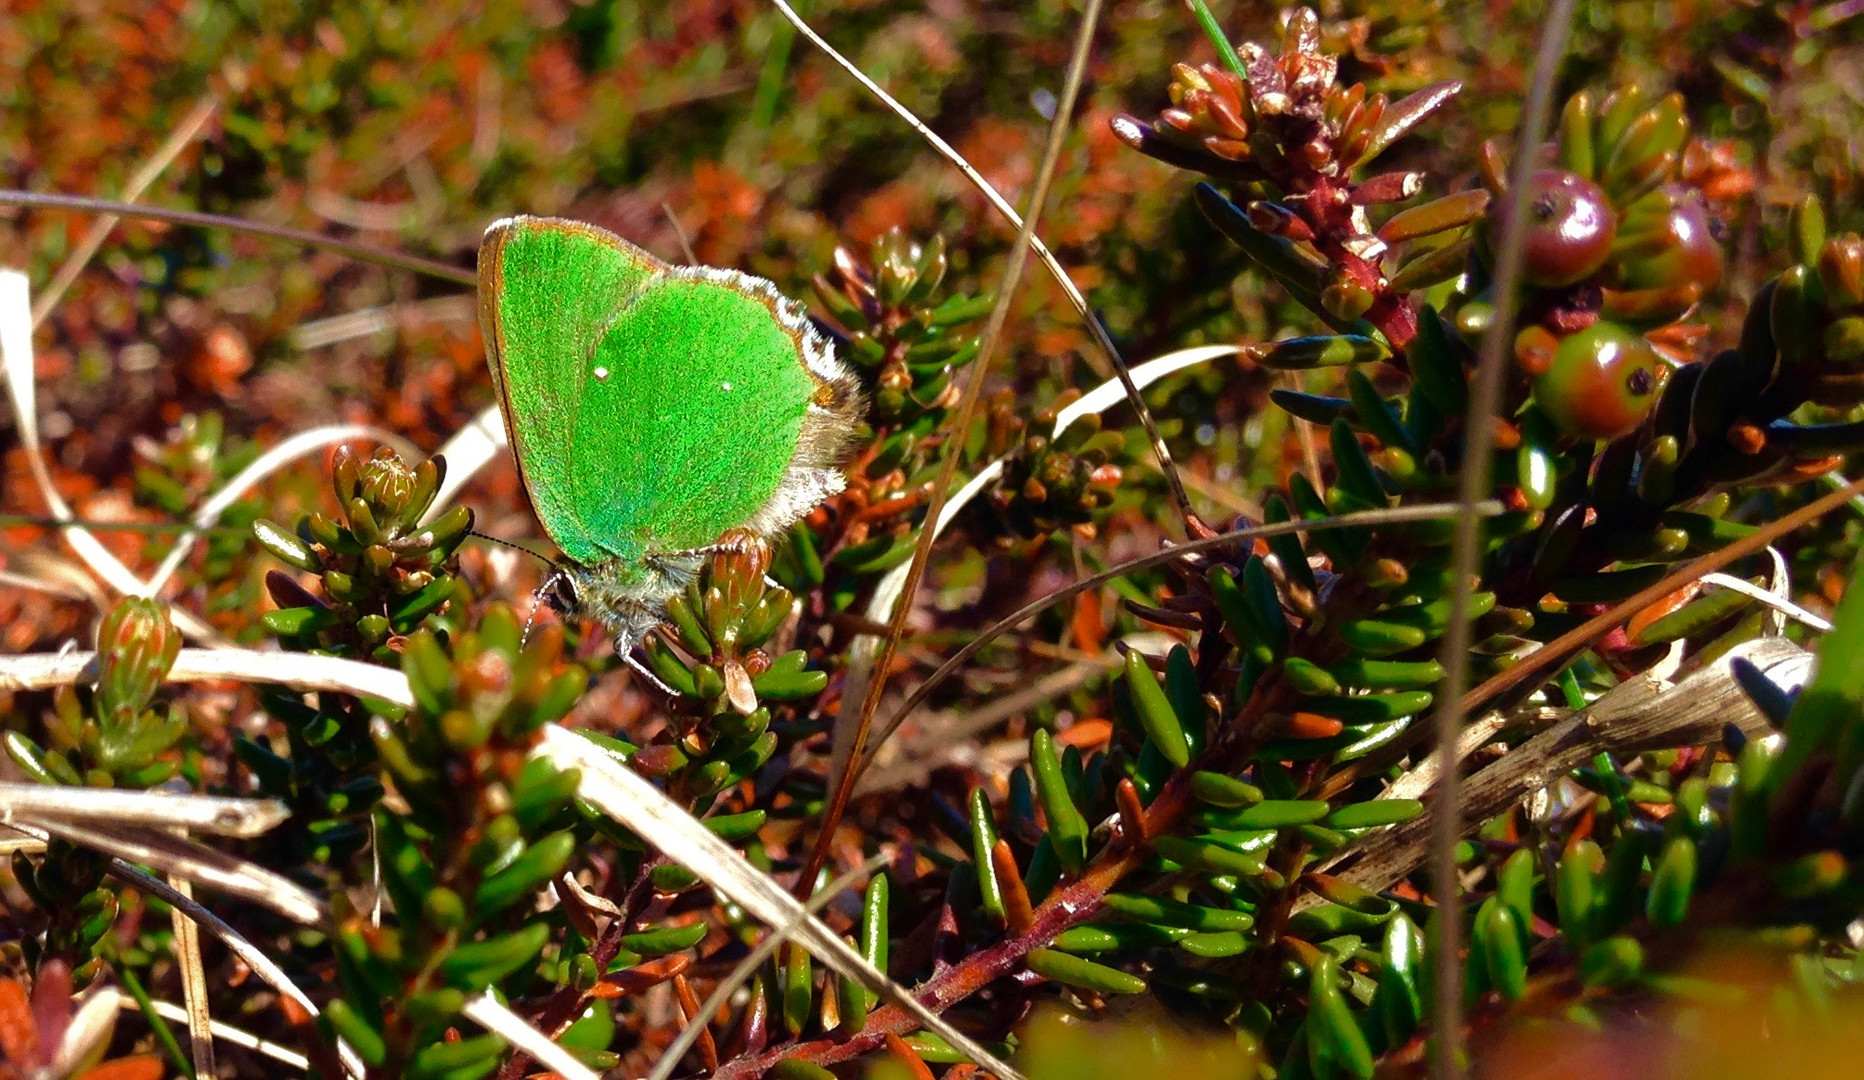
pixel 558 574
pixel 537 601
pixel 966 411
pixel 1106 358
pixel 382 256
pixel 538 555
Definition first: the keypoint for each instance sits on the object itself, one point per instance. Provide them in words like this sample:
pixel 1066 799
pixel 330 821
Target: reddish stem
pixel 1328 210
pixel 1070 903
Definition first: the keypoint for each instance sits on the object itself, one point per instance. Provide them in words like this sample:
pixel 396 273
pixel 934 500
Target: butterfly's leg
pixel 735 540
pixel 676 568
pixel 685 553
pixel 628 658
pixel 658 559
pixel 681 566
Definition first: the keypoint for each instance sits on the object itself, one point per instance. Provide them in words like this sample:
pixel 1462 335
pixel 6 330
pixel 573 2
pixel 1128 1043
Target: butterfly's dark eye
pixel 559 591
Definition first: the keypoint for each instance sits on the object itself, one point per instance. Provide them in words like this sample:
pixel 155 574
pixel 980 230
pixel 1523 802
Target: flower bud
pixel 387 484
pixel 136 647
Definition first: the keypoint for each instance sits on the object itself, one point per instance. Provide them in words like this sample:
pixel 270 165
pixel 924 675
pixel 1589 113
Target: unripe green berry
pixel 1602 383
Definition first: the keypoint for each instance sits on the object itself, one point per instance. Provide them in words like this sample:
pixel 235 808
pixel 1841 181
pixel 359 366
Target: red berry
pixel 1570 224
pixel 1678 248
pixel 1602 383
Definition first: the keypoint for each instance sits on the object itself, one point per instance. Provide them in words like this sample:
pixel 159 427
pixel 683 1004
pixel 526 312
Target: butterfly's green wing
pixel 655 407
pixel 705 411
pixel 548 290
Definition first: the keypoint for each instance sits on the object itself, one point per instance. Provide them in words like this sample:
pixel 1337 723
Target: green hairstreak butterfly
pixel 653 408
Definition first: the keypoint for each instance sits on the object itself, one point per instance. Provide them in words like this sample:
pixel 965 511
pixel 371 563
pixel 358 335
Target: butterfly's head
pixel 559 591
pixel 628 596
pixel 626 622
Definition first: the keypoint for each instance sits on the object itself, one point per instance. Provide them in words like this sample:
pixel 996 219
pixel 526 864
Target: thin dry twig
pixel 53 575
pixel 489 1013
pixel 679 233
pixel 670 1057
pixel 1392 515
pixel 367 253
pixel 1770 598
pixel 471 449
pixel 957 160
pixel 215 814
pixel 193 982
pixel 335 329
pixel 198 863
pixel 618 792
pixel 227 1033
pixel 966 412
pixel 1107 362
pixel 139 182
pixel 274 459
pixel 300 671
pixel 1472 486
pixel 948 736
pixel 255 958
pixel 1638 715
